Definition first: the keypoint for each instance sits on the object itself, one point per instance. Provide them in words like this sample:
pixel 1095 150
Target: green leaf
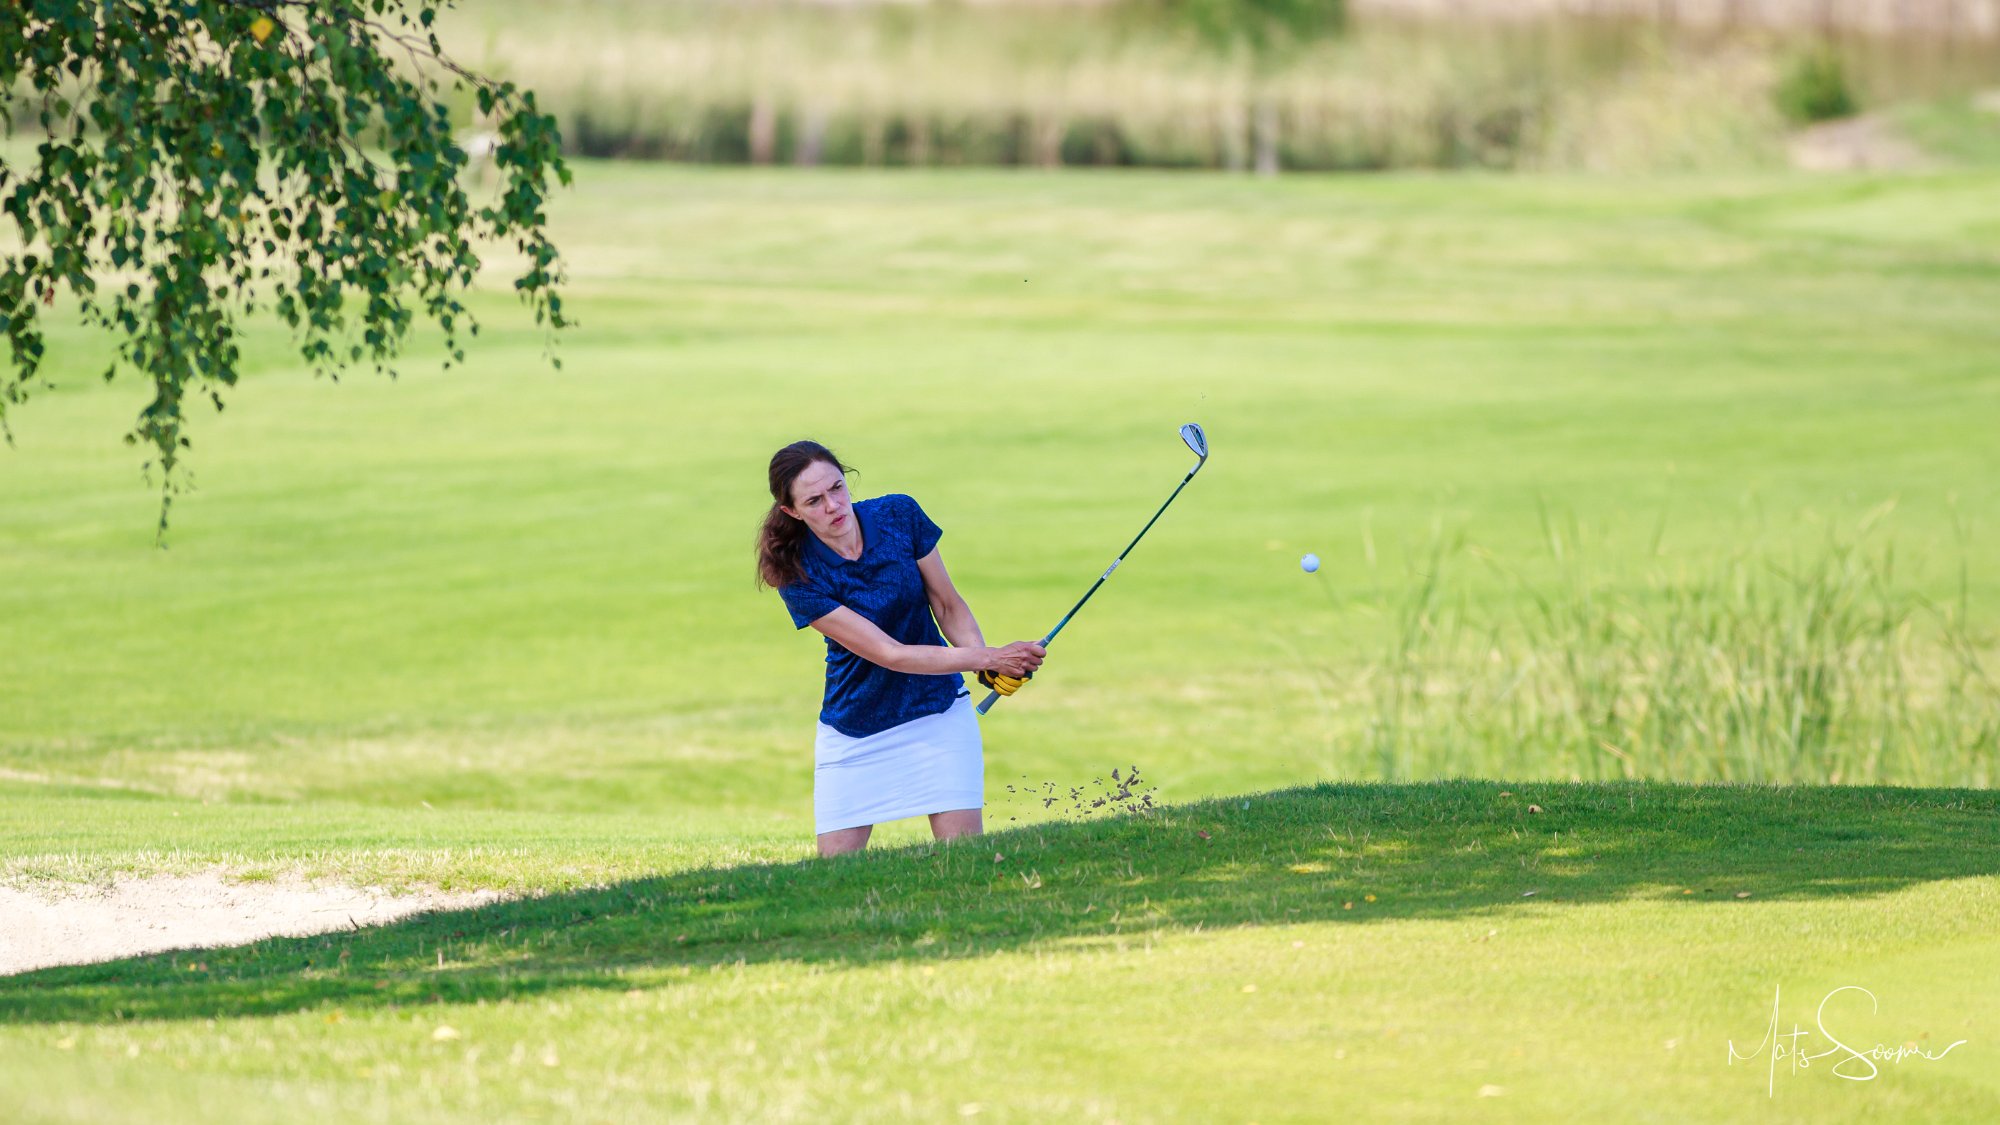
pixel 255 160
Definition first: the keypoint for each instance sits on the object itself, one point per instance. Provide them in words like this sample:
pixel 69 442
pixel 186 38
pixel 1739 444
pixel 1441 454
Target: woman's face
pixel 819 497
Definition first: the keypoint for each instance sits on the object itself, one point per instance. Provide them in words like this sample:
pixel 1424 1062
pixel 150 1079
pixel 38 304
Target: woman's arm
pixel 954 617
pixel 865 639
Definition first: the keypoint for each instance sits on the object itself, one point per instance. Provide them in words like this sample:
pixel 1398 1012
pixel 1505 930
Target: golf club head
pixel 1197 441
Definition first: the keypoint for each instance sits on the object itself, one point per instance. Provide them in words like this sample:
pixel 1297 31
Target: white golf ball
pixel 1309 564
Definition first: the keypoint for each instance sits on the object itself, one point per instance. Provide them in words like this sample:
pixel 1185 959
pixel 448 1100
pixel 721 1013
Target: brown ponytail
pixel 781 541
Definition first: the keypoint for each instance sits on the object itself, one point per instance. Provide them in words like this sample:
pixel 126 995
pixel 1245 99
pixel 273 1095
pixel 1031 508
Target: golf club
pixel 1197 441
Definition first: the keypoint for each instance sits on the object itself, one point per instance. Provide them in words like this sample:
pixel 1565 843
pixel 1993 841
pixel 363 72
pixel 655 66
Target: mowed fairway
pixel 496 627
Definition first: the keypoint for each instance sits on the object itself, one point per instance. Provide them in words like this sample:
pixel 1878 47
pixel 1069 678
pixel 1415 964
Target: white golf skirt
pixel 927 765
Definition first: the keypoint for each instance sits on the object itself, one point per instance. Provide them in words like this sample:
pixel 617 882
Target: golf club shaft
pixel 994 697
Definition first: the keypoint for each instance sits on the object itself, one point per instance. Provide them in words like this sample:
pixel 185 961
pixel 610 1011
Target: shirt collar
pixel 829 555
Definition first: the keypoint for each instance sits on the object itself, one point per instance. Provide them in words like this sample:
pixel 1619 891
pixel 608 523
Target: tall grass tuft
pixel 1815 87
pixel 1818 668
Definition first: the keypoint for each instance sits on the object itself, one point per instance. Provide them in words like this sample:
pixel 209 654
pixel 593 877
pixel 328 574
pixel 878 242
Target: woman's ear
pixel 788 511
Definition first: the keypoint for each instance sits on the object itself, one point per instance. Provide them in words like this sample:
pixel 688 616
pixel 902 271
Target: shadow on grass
pixel 1438 850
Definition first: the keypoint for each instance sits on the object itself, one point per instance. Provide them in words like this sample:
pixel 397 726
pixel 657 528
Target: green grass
pixel 1955 129
pixel 1272 948
pixel 496 627
pixel 512 587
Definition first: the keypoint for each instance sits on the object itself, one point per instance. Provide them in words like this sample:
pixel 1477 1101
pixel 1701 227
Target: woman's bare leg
pixel 957 822
pixel 843 840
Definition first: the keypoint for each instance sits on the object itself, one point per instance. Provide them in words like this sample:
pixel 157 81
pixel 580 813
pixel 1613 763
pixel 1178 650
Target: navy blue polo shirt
pixel 884 586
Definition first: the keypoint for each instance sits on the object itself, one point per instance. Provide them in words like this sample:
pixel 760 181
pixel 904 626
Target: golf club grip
pixel 991 699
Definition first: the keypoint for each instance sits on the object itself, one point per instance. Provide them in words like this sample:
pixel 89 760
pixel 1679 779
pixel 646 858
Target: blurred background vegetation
pixel 1605 85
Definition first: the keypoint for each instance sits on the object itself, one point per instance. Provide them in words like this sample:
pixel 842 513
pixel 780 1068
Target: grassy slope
pixel 1362 950
pixel 1956 130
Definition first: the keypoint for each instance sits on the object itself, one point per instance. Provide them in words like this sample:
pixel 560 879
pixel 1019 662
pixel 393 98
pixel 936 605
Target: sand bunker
pixel 71 925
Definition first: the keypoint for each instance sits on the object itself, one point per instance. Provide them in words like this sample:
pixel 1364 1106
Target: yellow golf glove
pixel 1005 685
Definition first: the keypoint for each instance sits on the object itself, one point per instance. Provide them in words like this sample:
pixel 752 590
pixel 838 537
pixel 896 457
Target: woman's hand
pixel 1019 659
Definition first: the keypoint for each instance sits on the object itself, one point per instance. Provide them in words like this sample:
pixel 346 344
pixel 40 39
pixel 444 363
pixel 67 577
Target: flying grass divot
pixel 1120 794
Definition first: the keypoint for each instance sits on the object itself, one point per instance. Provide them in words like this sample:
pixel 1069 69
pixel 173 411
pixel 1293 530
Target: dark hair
pixel 781 541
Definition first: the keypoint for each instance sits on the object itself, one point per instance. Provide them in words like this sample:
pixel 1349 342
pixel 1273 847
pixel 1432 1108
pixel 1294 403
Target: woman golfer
pixel 897 734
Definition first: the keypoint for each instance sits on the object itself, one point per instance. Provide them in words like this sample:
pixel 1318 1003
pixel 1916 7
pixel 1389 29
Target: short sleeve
pixel 806 602
pixel 924 534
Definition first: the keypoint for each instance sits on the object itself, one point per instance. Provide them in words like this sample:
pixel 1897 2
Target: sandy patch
pixel 1855 144
pixel 77 925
